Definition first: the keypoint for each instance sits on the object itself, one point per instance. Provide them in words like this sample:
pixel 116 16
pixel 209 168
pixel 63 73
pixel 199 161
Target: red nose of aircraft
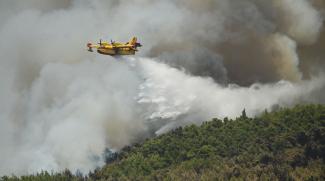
pixel 89 47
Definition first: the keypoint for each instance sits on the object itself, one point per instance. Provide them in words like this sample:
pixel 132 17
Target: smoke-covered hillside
pixel 287 144
pixel 61 106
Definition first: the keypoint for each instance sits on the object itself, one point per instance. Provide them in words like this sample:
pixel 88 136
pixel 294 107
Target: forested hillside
pixel 288 144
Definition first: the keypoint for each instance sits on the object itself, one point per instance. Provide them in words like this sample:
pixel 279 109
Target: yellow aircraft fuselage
pixel 115 48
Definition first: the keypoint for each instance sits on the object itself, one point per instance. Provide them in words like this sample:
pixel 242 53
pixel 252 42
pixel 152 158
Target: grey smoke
pixel 61 106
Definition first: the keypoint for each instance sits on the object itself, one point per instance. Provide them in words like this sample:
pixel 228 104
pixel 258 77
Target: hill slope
pixel 283 145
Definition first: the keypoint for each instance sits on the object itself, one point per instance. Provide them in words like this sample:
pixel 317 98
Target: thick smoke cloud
pixel 61 106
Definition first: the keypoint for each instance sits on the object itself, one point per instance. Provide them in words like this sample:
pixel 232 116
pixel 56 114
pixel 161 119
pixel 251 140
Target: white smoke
pixel 61 106
pixel 299 19
pixel 179 98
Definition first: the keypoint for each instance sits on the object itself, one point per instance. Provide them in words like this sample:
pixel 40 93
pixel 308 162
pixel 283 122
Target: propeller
pixel 100 42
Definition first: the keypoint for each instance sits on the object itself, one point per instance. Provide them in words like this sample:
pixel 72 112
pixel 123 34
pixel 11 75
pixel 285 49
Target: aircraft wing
pixel 124 46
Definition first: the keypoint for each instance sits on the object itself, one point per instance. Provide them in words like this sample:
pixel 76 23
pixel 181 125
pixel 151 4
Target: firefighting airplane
pixel 115 48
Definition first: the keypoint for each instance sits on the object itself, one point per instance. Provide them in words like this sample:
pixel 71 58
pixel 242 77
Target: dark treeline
pixel 288 144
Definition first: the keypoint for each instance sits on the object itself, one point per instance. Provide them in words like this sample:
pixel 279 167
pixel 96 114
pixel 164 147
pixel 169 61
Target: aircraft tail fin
pixel 134 42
